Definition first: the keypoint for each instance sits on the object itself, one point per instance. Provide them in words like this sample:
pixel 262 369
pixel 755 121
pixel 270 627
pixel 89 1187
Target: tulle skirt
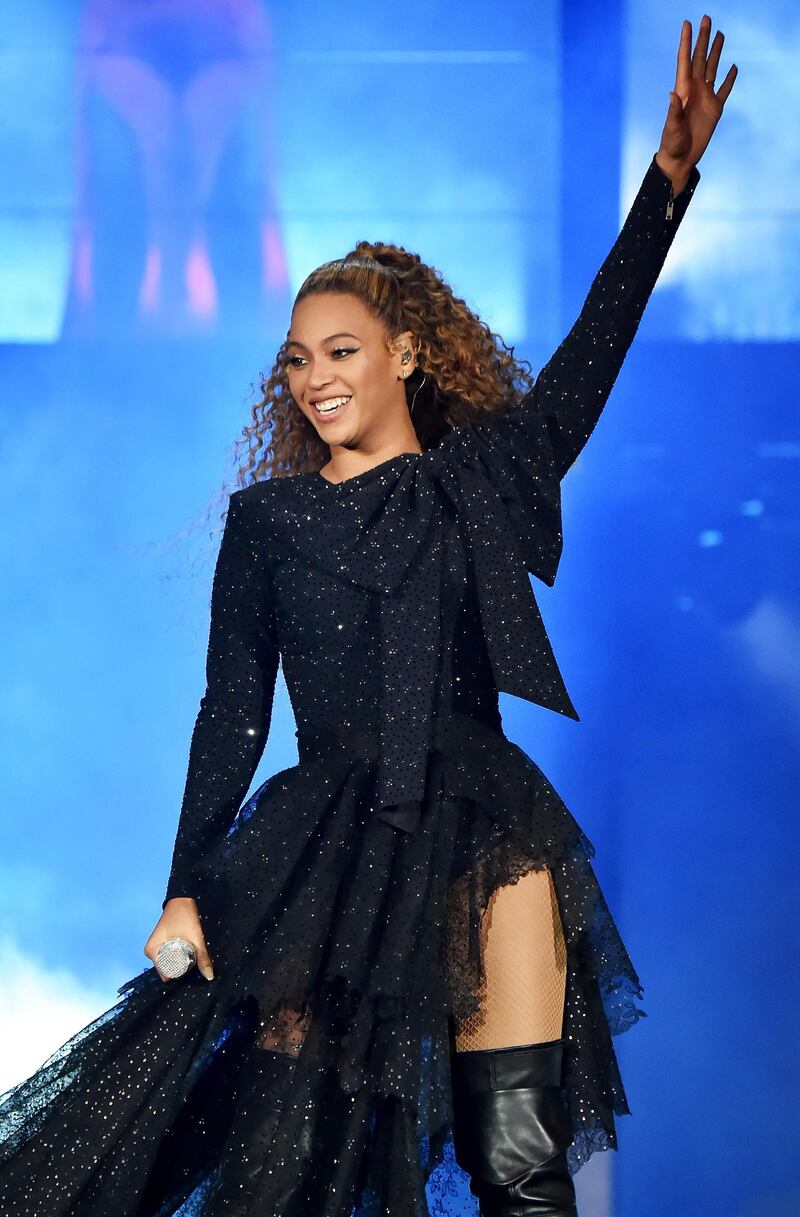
pixel 318 914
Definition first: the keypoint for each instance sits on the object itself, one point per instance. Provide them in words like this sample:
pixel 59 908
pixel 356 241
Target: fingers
pixel 723 92
pixel 703 65
pixel 674 113
pixel 701 50
pixel 204 964
pixel 713 59
pixel 684 72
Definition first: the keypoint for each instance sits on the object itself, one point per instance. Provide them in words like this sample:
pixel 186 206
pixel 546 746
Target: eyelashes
pixel 297 360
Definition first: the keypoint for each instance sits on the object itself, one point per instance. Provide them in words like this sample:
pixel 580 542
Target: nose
pixel 319 382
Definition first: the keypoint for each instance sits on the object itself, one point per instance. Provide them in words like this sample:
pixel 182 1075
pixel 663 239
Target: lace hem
pixel 312 906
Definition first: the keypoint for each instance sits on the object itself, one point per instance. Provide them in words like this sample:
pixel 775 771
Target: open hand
pixel 694 108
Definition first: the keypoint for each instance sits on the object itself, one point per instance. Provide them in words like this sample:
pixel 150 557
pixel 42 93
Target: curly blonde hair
pixel 463 367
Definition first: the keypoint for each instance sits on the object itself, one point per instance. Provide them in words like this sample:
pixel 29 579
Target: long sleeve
pixel 573 387
pixel 524 448
pixel 232 724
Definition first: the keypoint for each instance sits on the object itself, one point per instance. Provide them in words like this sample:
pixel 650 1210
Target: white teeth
pixel 333 403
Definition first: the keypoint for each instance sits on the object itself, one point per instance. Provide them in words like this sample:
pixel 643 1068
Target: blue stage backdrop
pixel 173 171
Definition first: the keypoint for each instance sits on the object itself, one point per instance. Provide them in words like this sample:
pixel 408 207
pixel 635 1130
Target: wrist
pixel 678 172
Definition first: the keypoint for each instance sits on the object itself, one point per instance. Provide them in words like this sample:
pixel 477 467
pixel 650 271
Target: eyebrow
pixel 330 338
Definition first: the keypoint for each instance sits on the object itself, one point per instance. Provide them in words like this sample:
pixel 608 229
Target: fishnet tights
pixel 283 1031
pixel 525 960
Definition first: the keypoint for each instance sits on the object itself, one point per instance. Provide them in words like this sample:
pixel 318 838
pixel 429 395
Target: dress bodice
pixel 402 596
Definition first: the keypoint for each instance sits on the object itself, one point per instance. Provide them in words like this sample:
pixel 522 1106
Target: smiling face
pixel 343 374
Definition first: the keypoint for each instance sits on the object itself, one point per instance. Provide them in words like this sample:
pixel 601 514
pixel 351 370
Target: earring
pixel 416 391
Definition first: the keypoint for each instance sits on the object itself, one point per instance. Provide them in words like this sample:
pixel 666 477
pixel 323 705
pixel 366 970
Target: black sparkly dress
pixel 348 888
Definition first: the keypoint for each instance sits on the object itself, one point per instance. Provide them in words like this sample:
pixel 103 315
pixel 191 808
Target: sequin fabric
pixel 344 896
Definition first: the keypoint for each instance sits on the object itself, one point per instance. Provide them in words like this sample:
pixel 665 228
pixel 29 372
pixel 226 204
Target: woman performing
pixel 400 940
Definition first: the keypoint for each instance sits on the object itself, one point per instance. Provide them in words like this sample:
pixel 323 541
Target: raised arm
pixel 232 724
pixel 573 387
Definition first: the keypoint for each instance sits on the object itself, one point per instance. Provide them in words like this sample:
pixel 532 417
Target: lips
pixel 324 410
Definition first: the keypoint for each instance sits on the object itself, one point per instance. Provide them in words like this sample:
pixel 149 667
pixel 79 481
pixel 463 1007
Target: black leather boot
pixel 511 1129
pixel 264 1076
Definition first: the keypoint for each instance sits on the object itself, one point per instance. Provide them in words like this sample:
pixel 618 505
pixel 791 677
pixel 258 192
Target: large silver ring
pixel 175 956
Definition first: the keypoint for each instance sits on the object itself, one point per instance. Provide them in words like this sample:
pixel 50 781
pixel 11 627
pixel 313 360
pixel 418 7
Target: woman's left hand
pixel 694 108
